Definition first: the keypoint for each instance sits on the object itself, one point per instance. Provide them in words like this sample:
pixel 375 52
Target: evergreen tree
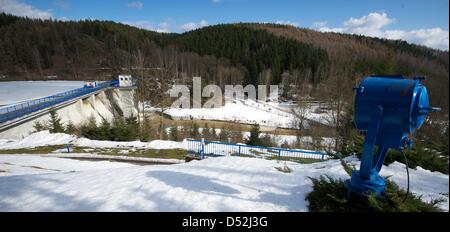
pixel 38 126
pixel 104 131
pixel 132 125
pixel 254 136
pixel 89 129
pixel 70 128
pixel 55 125
pixel 146 130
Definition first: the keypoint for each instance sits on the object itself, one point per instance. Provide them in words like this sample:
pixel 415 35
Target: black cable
pixel 407 172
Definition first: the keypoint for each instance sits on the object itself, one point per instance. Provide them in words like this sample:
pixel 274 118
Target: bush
pixel 89 129
pixel 193 130
pixel 330 195
pixel 173 133
pixel 209 133
pixel 121 129
pixel 225 134
pixel 124 129
pixel 418 156
pixel 267 141
pixel 146 132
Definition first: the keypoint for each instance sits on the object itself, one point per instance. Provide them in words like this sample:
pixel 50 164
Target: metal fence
pixel 27 107
pixel 204 148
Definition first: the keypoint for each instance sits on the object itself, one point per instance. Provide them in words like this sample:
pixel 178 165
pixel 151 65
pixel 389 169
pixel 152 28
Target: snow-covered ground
pixel 38 139
pixel 45 138
pixel 33 164
pixel 249 112
pixel 156 144
pixel 17 91
pixel 48 183
pixel 214 184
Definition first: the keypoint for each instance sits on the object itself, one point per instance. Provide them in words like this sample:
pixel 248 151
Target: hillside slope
pixel 328 63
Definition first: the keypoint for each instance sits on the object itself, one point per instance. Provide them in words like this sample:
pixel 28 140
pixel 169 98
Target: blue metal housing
pixel 388 109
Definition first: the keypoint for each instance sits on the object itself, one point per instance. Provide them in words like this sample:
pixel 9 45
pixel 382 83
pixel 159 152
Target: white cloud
pixel 368 25
pixel 163 27
pixel 64 18
pixel 63 5
pixel 136 5
pixel 319 24
pixel 194 25
pixel 283 22
pixel 433 37
pixel 373 25
pixel 18 8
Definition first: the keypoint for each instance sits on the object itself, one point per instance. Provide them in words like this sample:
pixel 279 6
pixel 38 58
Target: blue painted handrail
pixel 214 148
pixel 31 106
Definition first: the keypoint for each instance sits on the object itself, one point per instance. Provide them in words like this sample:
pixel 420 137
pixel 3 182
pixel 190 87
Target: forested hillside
pixel 352 57
pixel 302 61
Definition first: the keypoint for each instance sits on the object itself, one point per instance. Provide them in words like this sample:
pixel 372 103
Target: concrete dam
pixel 77 106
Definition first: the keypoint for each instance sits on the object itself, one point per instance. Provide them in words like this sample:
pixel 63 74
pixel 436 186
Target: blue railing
pixel 27 107
pixel 212 148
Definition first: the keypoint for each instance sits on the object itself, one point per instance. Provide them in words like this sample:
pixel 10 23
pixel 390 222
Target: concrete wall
pixel 103 105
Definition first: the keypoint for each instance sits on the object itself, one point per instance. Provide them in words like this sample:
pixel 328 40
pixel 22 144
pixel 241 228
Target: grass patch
pixel 147 153
pixel 330 195
pixel 36 150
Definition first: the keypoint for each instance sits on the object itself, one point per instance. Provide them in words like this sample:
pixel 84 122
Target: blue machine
pixel 388 109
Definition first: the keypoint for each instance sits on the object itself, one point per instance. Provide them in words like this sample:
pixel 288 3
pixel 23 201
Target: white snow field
pixel 45 138
pixel 33 164
pixel 48 183
pixel 17 91
pixel 38 139
pixel 249 112
pixel 213 184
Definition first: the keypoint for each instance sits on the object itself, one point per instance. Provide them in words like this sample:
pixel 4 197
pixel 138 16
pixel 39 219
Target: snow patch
pixel 45 138
pixel 213 184
pixel 38 139
pixel 33 164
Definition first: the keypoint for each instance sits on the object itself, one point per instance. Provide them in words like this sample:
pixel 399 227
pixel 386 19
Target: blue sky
pixel 418 21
